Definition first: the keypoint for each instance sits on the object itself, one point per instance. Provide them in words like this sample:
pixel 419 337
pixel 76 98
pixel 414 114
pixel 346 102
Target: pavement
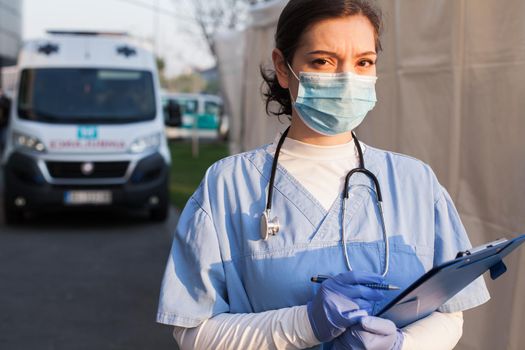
pixel 83 281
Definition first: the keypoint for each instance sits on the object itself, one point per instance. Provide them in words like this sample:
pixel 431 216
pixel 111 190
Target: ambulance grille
pixel 87 170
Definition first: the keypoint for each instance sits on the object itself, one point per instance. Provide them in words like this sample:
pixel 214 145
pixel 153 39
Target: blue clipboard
pixel 442 282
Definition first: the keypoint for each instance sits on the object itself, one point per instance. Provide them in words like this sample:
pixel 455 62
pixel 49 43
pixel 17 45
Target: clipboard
pixel 442 282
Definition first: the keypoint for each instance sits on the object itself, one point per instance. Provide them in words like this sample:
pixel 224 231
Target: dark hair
pixel 296 18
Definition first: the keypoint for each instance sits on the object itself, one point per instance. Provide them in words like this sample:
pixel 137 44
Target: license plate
pixel 87 197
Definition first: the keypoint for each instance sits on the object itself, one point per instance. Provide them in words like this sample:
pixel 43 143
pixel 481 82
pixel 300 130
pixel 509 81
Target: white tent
pixel 451 92
pixel 240 77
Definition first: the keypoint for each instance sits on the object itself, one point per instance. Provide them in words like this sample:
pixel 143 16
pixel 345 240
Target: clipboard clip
pixel 498 268
pixel 480 248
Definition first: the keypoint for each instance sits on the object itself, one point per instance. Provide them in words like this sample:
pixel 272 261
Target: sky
pixel 178 40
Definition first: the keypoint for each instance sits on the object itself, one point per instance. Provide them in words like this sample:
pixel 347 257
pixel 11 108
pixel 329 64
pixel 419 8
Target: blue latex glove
pixel 371 333
pixel 341 302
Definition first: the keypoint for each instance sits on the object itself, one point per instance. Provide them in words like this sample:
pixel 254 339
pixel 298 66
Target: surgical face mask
pixel 333 103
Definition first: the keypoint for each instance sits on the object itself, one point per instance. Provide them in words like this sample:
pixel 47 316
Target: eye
pixel 365 63
pixel 320 61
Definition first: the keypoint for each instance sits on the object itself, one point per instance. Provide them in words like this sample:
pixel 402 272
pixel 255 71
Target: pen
pixel 382 286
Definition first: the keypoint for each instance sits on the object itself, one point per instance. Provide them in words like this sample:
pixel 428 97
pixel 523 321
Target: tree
pixel 216 15
pixel 192 83
pixel 161 65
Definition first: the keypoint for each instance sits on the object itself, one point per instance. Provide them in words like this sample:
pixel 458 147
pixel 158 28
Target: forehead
pixel 351 32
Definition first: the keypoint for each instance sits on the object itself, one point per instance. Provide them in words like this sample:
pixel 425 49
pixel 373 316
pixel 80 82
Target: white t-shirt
pixel 319 169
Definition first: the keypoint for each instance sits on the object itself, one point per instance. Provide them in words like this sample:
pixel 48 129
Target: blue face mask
pixel 333 103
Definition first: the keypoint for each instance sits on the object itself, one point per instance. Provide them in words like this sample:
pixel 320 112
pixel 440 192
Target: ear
pixel 281 68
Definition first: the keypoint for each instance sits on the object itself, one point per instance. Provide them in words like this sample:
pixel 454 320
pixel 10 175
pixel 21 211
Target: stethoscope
pixel 270 226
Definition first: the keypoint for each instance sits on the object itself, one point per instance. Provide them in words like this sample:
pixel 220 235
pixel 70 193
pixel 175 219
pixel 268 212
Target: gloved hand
pixel 371 333
pixel 341 302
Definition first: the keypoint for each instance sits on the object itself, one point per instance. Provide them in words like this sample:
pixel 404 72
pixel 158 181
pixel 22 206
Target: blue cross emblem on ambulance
pixel 87 132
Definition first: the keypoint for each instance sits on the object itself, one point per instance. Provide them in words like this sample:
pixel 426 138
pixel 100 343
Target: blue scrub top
pixel 219 263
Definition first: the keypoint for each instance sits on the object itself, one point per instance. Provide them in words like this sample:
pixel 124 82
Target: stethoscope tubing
pixel 274 168
pixel 360 169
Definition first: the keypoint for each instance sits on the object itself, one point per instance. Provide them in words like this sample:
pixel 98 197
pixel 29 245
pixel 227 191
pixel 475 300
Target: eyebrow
pixel 330 53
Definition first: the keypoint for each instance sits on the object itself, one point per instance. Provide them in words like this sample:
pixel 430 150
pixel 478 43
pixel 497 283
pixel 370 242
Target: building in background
pixel 10 31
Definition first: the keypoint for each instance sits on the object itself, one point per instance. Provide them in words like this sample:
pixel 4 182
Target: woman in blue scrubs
pixel 231 284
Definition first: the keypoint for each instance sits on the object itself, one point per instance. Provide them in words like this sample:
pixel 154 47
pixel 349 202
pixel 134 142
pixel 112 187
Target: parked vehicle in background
pixel 184 112
pixel 7 87
pixel 85 128
pixel 5 105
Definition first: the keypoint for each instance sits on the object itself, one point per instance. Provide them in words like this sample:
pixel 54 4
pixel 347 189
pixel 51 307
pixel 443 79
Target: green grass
pixel 187 172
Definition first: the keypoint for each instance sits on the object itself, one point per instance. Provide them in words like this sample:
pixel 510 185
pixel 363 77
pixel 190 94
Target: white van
pixel 85 127
pixel 204 109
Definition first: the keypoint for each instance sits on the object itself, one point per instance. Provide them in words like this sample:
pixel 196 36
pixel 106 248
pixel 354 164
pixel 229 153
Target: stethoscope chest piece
pixel 268 227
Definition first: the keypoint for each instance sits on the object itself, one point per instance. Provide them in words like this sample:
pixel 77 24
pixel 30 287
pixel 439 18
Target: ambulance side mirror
pixel 5 107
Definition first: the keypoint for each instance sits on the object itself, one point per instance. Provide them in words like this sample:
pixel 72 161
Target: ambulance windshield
pixel 85 96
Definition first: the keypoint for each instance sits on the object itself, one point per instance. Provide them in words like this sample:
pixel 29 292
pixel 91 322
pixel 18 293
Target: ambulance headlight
pixel 28 142
pixel 146 143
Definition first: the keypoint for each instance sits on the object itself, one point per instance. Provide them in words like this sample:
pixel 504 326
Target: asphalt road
pixel 83 281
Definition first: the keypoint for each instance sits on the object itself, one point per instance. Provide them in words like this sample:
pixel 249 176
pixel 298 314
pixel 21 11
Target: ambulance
pixel 203 113
pixel 85 128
